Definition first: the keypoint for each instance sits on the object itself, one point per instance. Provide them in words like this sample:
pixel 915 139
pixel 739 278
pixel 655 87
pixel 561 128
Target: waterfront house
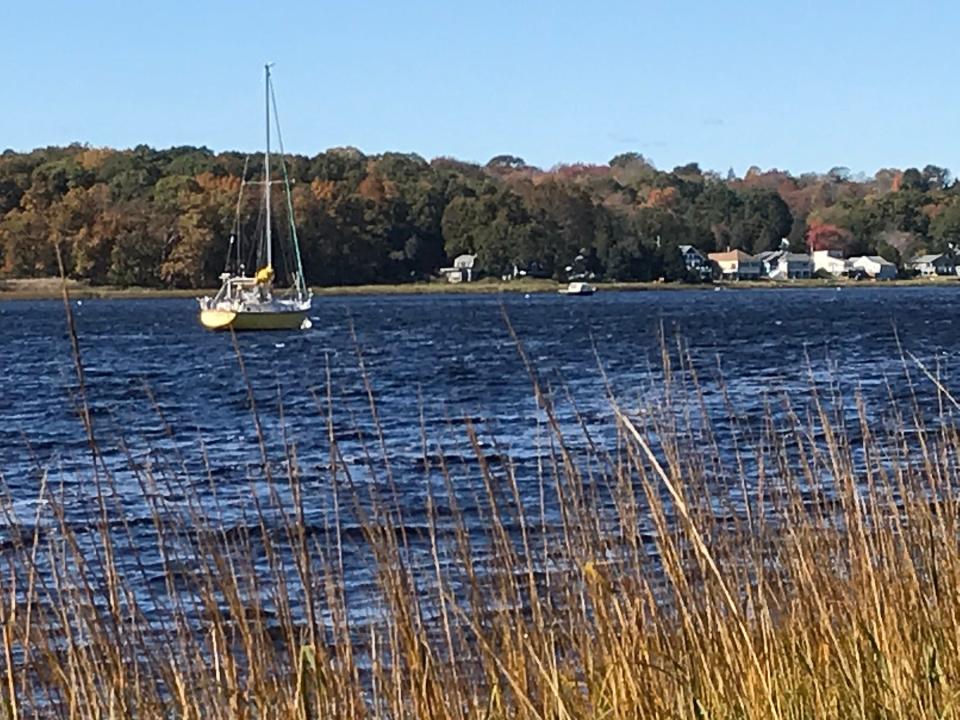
pixel 831 261
pixel 769 260
pixel 874 267
pixel 579 269
pixel 462 270
pixel 533 269
pixel 793 266
pixel 696 262
pixel 785 265
pixel 938 264
pixel 735 265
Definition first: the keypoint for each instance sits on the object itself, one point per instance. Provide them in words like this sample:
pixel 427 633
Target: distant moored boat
pixel 258 302
pixel 578 288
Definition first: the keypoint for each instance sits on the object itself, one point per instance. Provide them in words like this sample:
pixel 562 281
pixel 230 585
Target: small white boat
pixel 578 288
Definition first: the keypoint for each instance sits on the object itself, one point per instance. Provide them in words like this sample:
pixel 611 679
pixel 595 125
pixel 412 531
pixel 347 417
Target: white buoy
pixel 306 324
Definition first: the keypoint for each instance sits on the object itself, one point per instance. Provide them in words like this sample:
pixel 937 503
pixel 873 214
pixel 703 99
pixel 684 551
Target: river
pixel 167 396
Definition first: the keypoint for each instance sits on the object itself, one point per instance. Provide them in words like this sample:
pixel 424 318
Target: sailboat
pixel 258 302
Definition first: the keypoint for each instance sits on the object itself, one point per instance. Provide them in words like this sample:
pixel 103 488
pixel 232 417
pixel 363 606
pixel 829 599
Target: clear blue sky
pixel 795 85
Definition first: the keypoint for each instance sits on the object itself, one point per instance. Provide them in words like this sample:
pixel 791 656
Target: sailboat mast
pixel 266 165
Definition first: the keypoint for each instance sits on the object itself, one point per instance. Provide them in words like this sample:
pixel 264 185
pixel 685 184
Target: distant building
pixel 831 261
pixel 696 262
pixel 579 269
pixel 792 266
pixel 462 270
pixel 785 265
pixel 735 265
pixel 928 265
pixel 874 267
pixel 533 269
pixel 768 261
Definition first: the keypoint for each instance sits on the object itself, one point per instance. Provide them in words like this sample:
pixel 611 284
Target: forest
pixel 164 218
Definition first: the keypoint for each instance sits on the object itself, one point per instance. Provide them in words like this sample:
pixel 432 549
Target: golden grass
pixel 49 288
pixel 812 573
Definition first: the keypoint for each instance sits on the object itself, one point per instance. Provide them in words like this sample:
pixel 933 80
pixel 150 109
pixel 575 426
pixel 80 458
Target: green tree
pixel 913 179
pixel 945 228
pixel 27 251
pixel 141 238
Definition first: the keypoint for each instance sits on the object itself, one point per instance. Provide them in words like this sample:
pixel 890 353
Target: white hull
pixel 578 288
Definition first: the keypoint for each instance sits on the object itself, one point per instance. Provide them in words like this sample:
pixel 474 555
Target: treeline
pixel 164 217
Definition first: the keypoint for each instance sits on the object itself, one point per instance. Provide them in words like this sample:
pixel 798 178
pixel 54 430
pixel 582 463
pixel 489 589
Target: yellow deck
pixel 226 320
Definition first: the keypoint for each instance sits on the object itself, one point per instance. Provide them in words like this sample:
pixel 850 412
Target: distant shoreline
pixel 51 289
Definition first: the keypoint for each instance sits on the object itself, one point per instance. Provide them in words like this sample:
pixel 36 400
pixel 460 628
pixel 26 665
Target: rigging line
pixel 285 261
pixel 236 220
pixel 255 253
pixel 301 281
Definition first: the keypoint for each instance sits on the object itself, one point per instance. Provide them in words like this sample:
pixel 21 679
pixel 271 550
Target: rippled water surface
pixel 444 356
pixel 163 390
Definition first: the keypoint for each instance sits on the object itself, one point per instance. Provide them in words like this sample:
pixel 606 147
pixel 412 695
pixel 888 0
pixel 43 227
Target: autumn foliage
pixel 165 217
pixel 823 236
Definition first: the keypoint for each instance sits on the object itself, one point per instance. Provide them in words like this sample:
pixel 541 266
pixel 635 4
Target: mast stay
pixel 301 283
pixel 266 168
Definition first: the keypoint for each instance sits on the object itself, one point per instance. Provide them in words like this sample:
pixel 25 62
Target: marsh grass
pixel 803 566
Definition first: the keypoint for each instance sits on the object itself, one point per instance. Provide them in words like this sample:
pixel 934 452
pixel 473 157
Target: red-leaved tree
pixel 824 236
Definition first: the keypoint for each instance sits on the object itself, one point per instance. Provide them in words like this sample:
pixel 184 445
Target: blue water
pixel 168 398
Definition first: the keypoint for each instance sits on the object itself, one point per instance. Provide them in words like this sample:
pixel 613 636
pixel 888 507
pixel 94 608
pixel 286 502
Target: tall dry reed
pixel 803 566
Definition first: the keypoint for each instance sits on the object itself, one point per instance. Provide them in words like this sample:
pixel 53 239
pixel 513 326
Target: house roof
pixel 924 259
pixel 781 255
pixel 738 255
pixel 874 258
pixel 769 255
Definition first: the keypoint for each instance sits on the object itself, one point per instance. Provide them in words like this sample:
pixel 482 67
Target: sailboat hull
pixel 232 320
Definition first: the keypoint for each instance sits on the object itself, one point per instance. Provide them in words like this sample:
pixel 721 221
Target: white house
pixel 736 265
pixel 831 261
pixel 927 265
pixel 462 270
pixel 874 266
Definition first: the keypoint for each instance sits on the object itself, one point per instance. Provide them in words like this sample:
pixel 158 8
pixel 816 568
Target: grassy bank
pixel 52 289
pixel 47 289
pixel 807 569
pixel 39 289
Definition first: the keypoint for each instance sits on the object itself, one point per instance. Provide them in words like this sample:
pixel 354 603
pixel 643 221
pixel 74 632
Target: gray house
pixel 874 266
pixel 793 266
pixel 939 264
pixel 785 265
pixel 769 259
